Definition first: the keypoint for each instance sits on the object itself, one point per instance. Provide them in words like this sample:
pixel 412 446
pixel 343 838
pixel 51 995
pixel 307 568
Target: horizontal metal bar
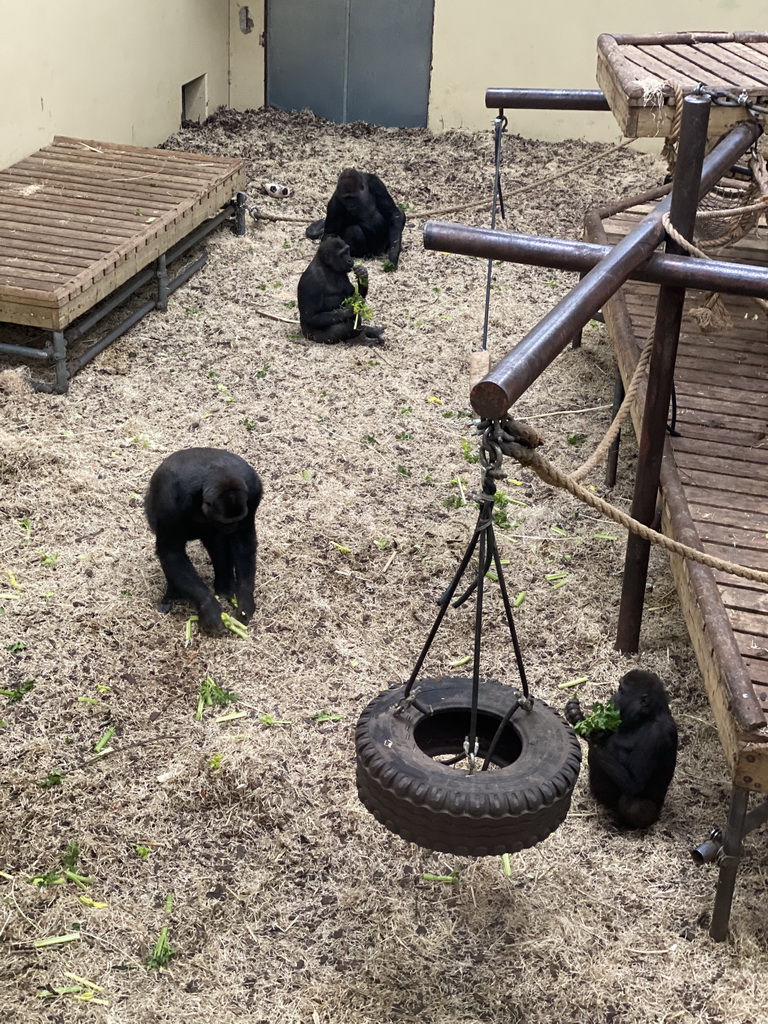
pixel 547 99
pixel 73 365
pixel 559 254
pixel 515 372
pixel 24 352
pixel 185 275
pixel 106 306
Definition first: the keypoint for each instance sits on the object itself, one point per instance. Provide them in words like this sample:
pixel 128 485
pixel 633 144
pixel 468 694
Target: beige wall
pixel 113 69
pixel 549 44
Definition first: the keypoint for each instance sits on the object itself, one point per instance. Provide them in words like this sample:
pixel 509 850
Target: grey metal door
pixel 351 60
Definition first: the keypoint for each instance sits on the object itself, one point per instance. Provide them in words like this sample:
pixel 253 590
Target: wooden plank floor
pixel 721 383
pixel 79 218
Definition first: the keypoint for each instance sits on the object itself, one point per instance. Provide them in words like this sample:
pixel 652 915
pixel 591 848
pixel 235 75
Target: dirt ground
pixel 290 903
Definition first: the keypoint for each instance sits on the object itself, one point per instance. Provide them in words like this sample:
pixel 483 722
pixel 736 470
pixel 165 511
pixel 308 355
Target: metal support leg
pixel 669 313
pixel 240 209
pixel 162 283
pixel 729 863
pixel 60 362
pixel 613 452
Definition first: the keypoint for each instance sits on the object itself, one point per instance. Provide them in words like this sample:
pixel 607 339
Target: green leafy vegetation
pixel 211 694
pixel 603 718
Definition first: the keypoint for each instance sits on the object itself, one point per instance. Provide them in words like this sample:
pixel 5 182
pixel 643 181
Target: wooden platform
pixel 715 493
pixel 79 218
pixel 633 72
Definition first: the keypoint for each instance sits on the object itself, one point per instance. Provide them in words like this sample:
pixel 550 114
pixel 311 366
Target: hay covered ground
pixel 290 903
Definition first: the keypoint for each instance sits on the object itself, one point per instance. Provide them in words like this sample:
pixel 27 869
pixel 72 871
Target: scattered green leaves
pixel 468 451
pixel 17 693
pixel 211 694
pixel 326 716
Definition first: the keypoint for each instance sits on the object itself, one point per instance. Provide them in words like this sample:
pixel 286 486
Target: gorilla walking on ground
pixel 210 495
pixel 362 213
pixel 630 768
pixel 323 288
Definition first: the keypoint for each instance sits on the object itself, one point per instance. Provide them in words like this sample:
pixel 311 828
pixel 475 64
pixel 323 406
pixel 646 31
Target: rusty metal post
pixel 612 462
pixel 669 315
pixel 729 859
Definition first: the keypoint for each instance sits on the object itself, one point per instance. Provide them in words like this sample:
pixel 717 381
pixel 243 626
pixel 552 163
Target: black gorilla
pixel 363 213
pixel 210 495
pixel 630 769
pixel 323 287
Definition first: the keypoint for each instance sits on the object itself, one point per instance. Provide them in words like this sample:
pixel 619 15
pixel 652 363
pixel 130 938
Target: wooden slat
pixel 741 67
pixel 69 229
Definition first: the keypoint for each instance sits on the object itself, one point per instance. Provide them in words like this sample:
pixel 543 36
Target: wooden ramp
pixel 715 492
pixel 80 219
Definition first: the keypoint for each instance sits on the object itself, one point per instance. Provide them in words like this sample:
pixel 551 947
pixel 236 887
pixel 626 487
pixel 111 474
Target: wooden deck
pixel 633 72
pixel 80 218
pixel 715 493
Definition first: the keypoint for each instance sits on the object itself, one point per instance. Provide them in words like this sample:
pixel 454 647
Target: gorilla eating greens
pixel 324 289
pixel 631 767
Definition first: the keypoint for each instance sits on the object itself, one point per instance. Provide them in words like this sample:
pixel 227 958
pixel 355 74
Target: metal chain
pixel 723 98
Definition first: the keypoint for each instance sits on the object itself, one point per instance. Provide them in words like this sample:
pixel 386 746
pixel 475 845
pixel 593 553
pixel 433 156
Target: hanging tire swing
pixel 469 766
pixel 405 781
pixel 463 765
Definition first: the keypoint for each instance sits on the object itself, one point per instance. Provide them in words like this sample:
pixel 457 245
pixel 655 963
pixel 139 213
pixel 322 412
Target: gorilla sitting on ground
pixel 631 767
pixel 362 213
pixel 323 288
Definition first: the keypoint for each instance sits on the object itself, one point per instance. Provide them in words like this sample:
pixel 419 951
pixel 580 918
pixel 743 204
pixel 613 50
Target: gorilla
pixel 630 769
pixel 210 495
pixel 362 212
pixel 322 290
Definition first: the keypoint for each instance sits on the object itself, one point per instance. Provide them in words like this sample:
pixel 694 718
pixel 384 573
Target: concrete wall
pixel 549 44
pixel 113 70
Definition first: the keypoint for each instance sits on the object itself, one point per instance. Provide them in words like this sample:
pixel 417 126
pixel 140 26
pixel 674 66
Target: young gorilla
pixel 363 213
pixel 210 495
pixel 323 287
pixel 630 769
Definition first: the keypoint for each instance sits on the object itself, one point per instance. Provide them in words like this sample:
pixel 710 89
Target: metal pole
pixel 162 283
pixel 547 99
pixel 729 863
pixel 492 396
pixel 60 362
pixel 612 461
pixel 669 315
pixel 580 257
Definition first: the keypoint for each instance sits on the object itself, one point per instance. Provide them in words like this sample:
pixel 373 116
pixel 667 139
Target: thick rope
pixel 551 475
pixel 669 150
pixel 487 203
pixel 612 433
pixel 694 250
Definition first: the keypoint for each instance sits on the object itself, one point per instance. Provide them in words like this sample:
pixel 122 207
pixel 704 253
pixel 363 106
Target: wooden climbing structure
pixel 709 92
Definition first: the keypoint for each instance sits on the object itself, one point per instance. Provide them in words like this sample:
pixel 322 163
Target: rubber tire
pixel 503 810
